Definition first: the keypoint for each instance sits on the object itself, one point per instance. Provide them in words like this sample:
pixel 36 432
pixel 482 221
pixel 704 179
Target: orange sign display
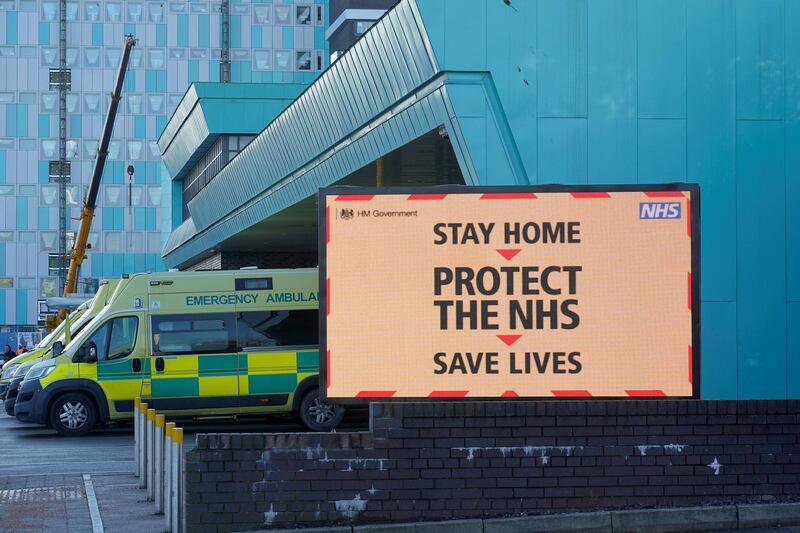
pixel 513 292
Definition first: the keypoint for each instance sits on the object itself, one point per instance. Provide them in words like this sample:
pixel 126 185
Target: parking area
pixel 47 482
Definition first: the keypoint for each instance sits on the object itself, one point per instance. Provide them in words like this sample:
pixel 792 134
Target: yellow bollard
pixel 168 481
pixel 158 484
pixel 151 446
pixel 143 445
pixel 176 525
pixel 136 435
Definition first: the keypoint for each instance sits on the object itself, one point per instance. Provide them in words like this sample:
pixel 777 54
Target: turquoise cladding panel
pixel 661 49
pixel 793 354
pixel 562 45
pixel 759 58
pixel 792 37
pixel 711 140
pixel 761 259
pixel 22 306
pixel 612 102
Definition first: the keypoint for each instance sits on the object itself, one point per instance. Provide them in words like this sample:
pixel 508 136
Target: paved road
pixel 42 475
pixel 38 450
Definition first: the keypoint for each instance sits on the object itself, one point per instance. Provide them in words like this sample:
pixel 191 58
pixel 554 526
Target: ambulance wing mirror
pixel 58 348
pixel 87 353
pixel 92 356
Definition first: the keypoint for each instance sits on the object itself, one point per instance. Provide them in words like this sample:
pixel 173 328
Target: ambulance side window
pixel 100 340
pixel 266 329
pixel 123 337
pixel 194 334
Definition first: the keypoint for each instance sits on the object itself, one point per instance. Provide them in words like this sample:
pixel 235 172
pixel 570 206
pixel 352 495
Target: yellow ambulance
pixel 192 344
pixel 77 320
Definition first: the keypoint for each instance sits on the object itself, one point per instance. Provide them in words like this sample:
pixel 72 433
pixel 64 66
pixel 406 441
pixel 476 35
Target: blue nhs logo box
pixel 660 210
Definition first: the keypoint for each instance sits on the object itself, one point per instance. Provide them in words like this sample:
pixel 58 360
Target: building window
pixel 263 13
pixel 113 241
pixel 156 12
pixel 48 149
pixel 48 241
pixel 303 60
pixel 154 196
pixel 135 12
pixel 91 56
pixel 48 194
pixel 155 58
pixel 262 60
pixel 136 242
pixel 72 149
pixel 49 57
pixel 283 14
pixel 134 104
pixel 136 57
pixel 112 196
pixel 153 242
pixel 49 11
pixel 113 12
pixel 303 15
pixel 49 286
pixel 112 57
pixel 72 11
pixel 363 25
pixel 73 193
pixel 91 103
pixel 92 11
pixel 155 103
pixel 283 60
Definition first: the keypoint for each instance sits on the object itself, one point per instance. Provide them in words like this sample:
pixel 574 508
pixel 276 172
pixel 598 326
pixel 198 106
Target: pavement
pixel 50 483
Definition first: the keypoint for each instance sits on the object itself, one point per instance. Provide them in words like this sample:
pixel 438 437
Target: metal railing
pixel 159 463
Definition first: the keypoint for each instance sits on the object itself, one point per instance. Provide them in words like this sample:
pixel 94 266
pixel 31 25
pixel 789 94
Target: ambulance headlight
pixel 38 372
pixel 9 370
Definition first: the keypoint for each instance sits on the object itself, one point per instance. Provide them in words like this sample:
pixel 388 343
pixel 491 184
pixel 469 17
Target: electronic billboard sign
pixel 503 292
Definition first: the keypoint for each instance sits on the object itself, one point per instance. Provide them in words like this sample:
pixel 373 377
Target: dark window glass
pixel 121 341
pixel 123 337
pixel 194 334
pixel 254 284
pixel 266 329
pixel 100 340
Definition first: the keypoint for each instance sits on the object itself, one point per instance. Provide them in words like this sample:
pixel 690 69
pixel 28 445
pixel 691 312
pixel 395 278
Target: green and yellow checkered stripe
pixel 230 374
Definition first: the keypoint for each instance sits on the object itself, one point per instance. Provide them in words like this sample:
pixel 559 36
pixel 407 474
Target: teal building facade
pixel 571 92
pixel 178 43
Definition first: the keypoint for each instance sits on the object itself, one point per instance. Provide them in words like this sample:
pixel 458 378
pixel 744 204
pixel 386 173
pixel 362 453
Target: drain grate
pixel 41 494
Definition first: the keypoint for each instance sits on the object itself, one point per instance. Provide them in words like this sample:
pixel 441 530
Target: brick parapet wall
pixel 433 461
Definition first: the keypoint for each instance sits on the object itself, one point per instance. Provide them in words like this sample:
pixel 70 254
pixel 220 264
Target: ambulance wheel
pixel 72 414
pixel 318 415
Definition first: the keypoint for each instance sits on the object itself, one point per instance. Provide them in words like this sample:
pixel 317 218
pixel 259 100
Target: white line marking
pixel 94 510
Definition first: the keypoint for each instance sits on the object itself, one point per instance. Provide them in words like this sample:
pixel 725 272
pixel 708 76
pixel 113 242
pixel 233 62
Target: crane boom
pixel 89 205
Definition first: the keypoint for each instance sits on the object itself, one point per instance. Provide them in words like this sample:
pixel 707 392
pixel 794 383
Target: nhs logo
pixel 660 210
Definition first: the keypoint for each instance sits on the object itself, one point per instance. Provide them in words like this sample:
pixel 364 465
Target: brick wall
pixel 438 461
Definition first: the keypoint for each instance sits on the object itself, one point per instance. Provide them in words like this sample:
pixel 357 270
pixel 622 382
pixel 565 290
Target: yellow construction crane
pixel 89 205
